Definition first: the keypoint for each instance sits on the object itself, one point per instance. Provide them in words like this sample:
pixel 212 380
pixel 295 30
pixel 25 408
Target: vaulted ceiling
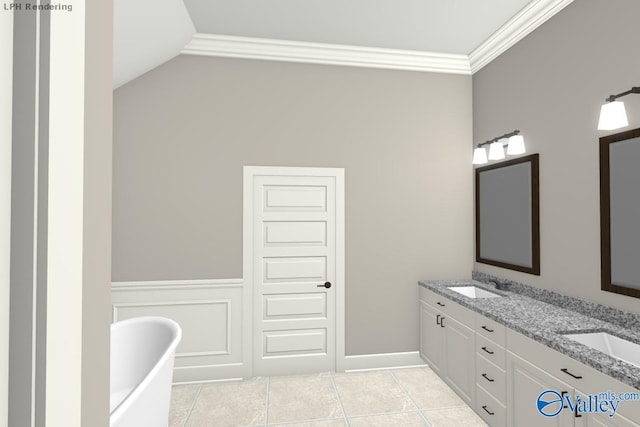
pixel 446 26
pixel 148 33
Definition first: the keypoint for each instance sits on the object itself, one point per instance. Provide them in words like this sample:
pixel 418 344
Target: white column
pixel 65 218
pixel 6 85
pixel 79 216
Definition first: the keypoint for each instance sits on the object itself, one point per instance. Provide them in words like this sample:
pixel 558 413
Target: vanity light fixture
pixel 512 140
pixel 613 114
pixel 496 151
pixel 479 156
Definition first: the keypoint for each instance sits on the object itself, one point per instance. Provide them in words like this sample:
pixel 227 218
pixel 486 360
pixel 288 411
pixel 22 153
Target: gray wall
pixel 550 85
pixel 96 263
pixel 183 131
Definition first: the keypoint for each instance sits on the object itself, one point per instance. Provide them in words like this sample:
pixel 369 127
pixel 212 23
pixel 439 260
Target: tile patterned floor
pixel 399 397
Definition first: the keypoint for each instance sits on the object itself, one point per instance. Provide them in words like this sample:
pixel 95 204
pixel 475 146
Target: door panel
pixel 525 383
pixel 284 306
pixel 299 341
pixel 295 233
pixel 432 337
pixel 295 197
pixel 294 269
pixel 294 254
pixel 460 351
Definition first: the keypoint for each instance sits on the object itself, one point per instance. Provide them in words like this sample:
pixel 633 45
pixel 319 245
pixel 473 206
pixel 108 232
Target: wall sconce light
pixel 513 141
pixel 613 114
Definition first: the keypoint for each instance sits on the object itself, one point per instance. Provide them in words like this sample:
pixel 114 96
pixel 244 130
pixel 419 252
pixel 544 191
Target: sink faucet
pixel 501 285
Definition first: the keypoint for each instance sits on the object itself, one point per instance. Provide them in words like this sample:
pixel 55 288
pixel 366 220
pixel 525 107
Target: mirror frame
pixel 605 213
pixel 535 215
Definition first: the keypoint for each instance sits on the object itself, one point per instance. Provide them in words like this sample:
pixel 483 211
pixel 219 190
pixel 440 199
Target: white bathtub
pixel 142 354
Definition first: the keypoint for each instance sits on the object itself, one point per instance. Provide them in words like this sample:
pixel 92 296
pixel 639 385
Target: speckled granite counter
pixel 545 322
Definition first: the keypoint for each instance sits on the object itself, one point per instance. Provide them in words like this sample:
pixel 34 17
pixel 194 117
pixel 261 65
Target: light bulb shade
pixel 479 156
pixel 496 151
pixel 613 116
pixel 516 145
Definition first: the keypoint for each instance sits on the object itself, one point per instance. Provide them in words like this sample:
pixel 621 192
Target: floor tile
pixel 226 404
pixel 303 398
pixel 370 393
pixel 454 417
pixel 182 397
pixel 408 419
pixel 324 423
pixel 427 389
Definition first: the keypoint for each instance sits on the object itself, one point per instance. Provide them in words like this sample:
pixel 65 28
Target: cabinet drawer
pixel 547 359
pixel 448 307
pixel 490 410
pixel 428 296
pixel 491 351
pixel 491 378
pixel 491 329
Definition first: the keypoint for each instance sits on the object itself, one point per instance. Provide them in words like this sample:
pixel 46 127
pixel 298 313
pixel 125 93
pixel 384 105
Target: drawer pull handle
pixel 488 411
pixel 487 378
pixel 566 371
pixel 487 329
pixel 575 412
pixel 442 322
pixel 440 304
pixel 487 350
pixel 563 394
pixel 438 319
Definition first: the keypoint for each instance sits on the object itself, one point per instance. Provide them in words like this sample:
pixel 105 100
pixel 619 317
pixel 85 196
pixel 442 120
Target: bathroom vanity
pixel 500 349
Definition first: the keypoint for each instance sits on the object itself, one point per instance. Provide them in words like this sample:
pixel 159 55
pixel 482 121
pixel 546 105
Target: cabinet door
pixel 431 337
pixel 525 382
pixel 604 420
pixel 460 351
pixel 600 420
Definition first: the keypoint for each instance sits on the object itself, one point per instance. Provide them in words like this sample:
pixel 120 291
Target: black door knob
pixel 326 285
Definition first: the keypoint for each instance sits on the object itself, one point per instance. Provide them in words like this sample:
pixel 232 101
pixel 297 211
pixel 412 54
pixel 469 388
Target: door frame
pixel 250 172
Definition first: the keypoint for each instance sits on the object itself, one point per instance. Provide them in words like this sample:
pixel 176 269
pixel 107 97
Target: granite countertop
pixel 546 323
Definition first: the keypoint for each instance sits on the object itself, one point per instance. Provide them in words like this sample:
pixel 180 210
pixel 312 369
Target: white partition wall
pixel 60 215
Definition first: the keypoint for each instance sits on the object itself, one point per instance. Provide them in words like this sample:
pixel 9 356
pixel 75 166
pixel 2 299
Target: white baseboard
pixel 209 373
pixel 238 371
pixel 366 362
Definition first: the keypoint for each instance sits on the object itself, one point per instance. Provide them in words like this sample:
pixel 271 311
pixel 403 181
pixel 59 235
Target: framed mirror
pixel 620 212
pixel 508 214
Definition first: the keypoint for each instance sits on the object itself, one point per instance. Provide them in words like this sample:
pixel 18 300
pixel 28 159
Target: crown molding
pixel 524 22
pixel 322 53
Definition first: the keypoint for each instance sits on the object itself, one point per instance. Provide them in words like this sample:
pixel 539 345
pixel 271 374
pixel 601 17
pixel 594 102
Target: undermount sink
pixel 473 292
pixel 609 344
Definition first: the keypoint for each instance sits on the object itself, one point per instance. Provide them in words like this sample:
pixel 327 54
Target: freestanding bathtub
pixel 142 355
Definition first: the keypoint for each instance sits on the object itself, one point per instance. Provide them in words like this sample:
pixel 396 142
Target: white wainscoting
pixel 216 338
pixel 210 312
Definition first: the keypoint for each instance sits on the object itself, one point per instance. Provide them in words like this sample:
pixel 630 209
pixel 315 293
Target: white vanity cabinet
pixel 447 342
pixel 533 368
pixel 490 356
pixel 500 373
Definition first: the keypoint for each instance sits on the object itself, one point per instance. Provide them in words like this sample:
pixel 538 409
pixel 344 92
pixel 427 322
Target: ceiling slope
pixel 147 33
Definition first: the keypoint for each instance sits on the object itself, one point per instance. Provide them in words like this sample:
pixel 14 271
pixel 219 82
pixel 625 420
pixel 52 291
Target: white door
pixel 297 279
